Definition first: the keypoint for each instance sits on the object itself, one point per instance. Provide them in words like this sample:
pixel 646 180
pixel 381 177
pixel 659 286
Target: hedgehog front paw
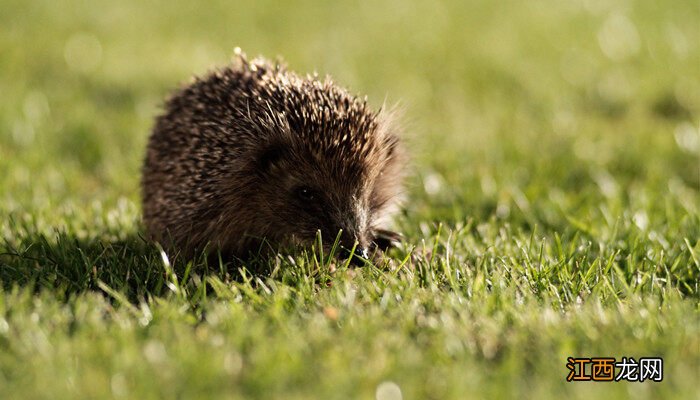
pixel 386 239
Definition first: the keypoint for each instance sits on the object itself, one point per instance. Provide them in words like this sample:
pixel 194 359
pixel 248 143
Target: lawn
pixel 552 206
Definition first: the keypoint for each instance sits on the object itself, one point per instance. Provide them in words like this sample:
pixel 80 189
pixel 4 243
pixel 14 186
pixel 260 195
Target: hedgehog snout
pixel 354 241
pixel 353 247
pixel 357 257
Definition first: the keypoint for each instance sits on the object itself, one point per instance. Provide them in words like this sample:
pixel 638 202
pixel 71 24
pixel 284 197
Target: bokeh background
pixel 515 100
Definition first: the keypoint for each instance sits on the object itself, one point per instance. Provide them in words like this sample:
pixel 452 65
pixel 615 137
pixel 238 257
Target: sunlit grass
pixel 553 204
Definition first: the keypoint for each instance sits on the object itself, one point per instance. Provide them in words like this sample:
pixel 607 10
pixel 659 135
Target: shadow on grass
pixel 66 264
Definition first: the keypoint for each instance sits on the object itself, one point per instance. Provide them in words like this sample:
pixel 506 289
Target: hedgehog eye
pixel 304 193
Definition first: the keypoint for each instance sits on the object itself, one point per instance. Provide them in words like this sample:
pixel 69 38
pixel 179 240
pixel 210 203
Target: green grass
pixel 553 204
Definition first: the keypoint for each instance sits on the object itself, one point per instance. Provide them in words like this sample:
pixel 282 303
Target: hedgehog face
pixel 337 192
pixel 304 198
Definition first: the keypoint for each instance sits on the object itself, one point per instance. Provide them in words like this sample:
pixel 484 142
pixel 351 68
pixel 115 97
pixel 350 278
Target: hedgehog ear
pixel 269 156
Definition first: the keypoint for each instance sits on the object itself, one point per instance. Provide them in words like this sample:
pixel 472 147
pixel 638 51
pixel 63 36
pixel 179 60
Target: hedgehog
pixel 253 158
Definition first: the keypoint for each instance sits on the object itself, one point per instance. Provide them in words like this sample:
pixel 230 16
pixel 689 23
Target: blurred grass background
pixel 574 123
pixel 494 94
